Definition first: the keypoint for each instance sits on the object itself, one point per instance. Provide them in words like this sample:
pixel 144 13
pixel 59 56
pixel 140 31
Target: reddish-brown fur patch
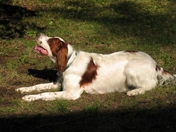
pixel 59 50
pixel 164 72
pixel 90 74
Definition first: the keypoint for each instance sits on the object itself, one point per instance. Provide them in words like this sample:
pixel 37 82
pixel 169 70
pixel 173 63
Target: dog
pixel 133 72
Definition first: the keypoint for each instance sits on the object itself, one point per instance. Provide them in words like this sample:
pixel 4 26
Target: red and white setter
pixel 124 71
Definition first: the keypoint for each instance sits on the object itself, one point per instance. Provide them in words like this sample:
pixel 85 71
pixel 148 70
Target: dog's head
pixel 54 47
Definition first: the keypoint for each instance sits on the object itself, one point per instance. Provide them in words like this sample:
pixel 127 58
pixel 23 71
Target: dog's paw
pixel 23 89
pixel 135 92
pixel 30 98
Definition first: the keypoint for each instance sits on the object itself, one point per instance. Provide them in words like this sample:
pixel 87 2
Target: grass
pixel 101 26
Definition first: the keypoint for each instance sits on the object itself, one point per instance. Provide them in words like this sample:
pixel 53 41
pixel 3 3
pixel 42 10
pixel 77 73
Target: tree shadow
pixel 133 120
pixel 12 24
pixel 157 28
pixel 130 20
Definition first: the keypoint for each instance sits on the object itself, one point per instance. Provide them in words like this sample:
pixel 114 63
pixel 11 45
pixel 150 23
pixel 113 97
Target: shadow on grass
pixel 126 19
pixel 158 119
pixel 46 74
pixel 11 21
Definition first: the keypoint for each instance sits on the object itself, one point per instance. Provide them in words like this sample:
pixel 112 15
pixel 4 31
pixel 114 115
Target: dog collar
pixel 70 63
pixel 75 55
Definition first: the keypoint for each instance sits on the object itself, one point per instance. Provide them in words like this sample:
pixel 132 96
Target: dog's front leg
pixel 48 96
pixel 39 87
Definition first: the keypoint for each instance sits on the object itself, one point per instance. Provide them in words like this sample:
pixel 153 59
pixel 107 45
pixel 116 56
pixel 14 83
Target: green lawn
pixel 102 26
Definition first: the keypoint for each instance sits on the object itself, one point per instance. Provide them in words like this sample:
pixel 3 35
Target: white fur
pixel 116 73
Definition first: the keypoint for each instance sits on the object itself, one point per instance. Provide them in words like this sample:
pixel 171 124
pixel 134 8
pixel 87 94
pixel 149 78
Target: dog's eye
pixel 40 42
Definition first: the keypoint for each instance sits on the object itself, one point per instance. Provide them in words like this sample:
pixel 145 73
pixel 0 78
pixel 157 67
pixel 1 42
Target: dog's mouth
pixel 40 50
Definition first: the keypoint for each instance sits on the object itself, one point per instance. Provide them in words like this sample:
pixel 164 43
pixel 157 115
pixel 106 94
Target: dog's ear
pixel 62 57
pixel 60 51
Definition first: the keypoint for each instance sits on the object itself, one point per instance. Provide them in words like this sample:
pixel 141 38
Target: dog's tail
pixel 165 77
